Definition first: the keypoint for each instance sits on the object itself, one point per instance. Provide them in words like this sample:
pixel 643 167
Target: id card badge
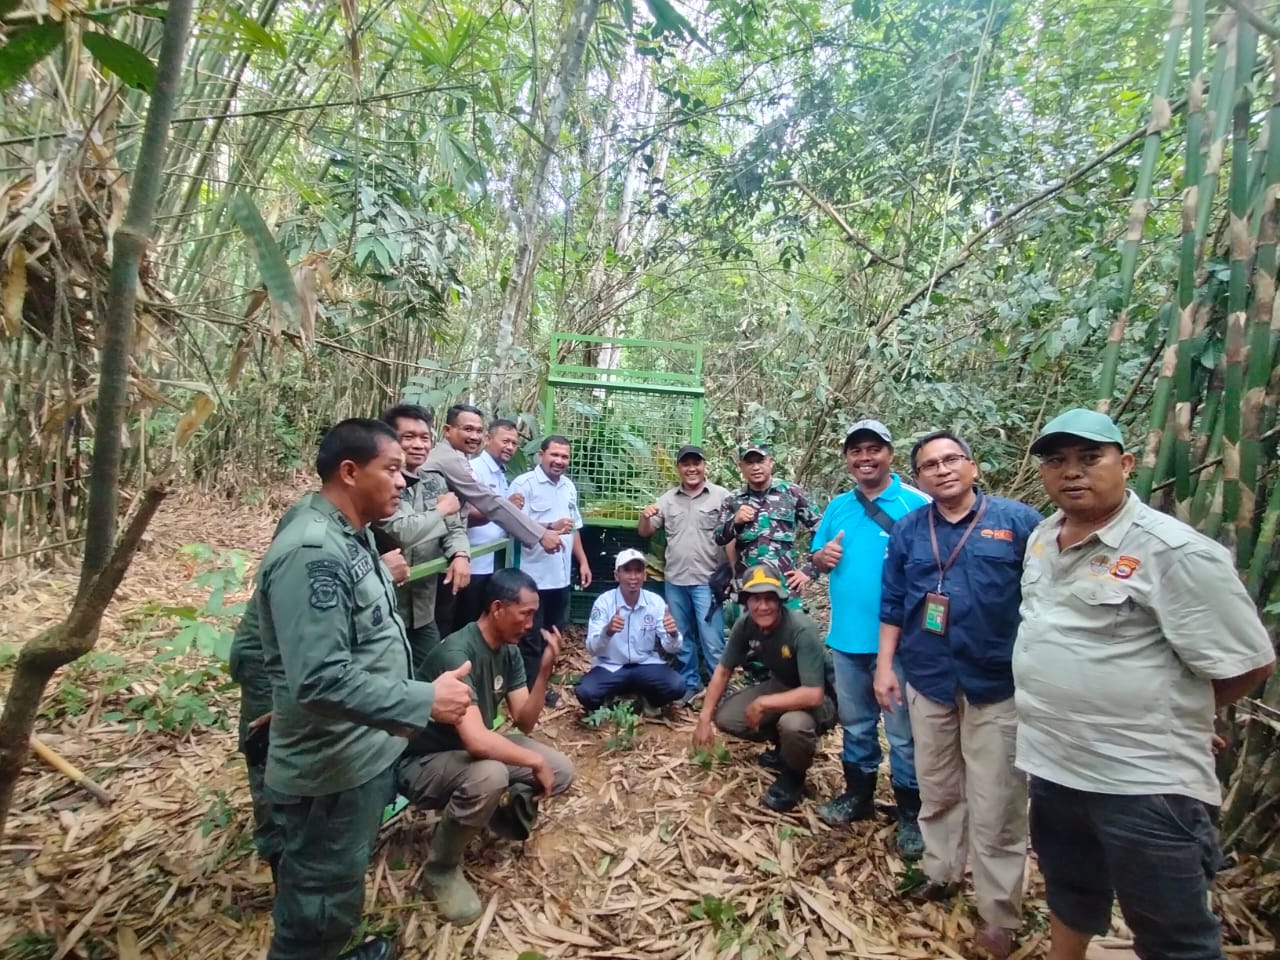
pixel 936 606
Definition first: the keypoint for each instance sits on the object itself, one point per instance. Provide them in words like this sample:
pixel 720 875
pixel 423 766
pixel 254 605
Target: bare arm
pixel 1227 691
pixel 799 698
pixel 483 744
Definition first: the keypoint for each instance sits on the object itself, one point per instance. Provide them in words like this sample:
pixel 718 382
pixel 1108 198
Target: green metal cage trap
pixel 626 406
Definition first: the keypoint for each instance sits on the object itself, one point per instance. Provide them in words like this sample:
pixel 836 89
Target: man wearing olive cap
pixel 792 708
pixel 1135 630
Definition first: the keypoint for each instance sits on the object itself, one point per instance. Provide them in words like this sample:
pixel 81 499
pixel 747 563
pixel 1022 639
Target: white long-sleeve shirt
pixel 641 634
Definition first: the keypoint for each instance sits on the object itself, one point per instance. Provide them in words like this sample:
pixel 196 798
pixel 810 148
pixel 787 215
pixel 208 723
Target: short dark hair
pixel 407 411
pixel 357 439
pixel 850 442
pixel 939 435
pixel 555 438
pixel 502 423
pixel 506 585
pixel 451 415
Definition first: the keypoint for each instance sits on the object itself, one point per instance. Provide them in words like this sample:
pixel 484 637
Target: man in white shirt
pixel 490 467
pixel 628 624
pixel 550 499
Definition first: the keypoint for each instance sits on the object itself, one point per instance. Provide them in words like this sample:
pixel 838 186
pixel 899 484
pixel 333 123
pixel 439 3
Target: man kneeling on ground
pixel 627 626
pixel 466 770
pixel 791 709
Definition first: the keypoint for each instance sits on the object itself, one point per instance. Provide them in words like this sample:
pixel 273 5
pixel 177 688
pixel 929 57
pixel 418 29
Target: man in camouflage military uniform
pixel 247 668
pixel 343 702
pixel 426 526
pixel 763 518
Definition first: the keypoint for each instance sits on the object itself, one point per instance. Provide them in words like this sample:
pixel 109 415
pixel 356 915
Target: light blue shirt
pixel 548 502
pixel 854 584
pixel 490 473
pixel 641 634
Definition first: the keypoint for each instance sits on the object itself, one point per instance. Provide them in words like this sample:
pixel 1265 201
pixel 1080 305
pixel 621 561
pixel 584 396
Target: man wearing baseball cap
pixel 763 518
pixel 792 708
pixel 1135 631
pixel 689 513
pixel 628 625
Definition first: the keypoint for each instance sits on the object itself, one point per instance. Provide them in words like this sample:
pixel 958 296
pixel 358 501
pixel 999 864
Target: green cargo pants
pixel 268 834
pixel 328 841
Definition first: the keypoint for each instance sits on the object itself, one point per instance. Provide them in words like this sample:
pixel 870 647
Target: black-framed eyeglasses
pixel 950 461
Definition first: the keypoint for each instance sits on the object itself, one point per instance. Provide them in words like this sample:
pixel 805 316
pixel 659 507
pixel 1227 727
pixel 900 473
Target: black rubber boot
pixel 771 759
pixel 785 791
pixel 379 949
pixel 910 842
pixel 856 803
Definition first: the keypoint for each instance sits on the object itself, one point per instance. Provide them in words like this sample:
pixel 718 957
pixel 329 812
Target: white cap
pixel 626 556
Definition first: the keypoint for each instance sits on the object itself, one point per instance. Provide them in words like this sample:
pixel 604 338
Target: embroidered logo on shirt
pixel 1125 567
pixel 786 652
pixel 377 615
pixel 1100 564
pixel 497 684
pixel 648 619
pixel 1006 535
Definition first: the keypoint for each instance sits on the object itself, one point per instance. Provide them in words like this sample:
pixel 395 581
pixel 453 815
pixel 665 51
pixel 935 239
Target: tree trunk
pixel 103 568
pixel 518 293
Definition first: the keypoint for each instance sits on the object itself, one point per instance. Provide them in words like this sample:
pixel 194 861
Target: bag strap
pixel 874 511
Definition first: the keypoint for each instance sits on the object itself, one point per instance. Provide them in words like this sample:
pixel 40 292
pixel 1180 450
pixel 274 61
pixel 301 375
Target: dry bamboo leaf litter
pixel 619 867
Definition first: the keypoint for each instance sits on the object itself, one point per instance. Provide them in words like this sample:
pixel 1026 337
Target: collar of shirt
pixel 330 509
pixel 623 605
pixel 487 461
pixel 978 497
pixel 891 492
pixel 681 491
pixel 1113 532
pixel 541 477
pixel 774 485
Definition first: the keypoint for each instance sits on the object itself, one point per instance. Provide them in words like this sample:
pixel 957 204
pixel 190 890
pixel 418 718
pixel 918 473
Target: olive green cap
pixel 1082 424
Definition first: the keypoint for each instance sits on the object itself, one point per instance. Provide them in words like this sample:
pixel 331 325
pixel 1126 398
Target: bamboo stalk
pixel 1157 124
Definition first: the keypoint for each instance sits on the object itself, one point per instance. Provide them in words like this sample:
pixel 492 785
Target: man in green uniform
pixel 342 698
pixel 247 668
pixel 762 520
pixel 466 770
pixel 792 708
pixel 426 526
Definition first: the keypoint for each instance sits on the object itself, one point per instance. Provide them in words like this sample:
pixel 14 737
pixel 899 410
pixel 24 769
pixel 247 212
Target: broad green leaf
pixel 27 47
pixel 133 67
pixel 271 261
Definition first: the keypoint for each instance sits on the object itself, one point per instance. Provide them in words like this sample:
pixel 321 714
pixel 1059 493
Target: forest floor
pixel 651 854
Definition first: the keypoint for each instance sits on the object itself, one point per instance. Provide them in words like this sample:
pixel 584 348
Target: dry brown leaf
pixel 193 419
pixel 13 289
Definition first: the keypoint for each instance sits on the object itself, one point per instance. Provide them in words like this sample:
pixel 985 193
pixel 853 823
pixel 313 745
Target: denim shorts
pixel 1155 853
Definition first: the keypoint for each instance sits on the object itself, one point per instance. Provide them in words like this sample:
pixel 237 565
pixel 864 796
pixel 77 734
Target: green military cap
pixel 764 578
pixel 1082 424
pixel 754 445
pixel 516 814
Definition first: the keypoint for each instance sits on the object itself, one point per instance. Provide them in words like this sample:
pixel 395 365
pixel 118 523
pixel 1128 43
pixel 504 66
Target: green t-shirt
pixel 794 653
pixel 494 673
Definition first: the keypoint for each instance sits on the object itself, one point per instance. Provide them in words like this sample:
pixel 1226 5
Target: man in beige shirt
pixel 1135 630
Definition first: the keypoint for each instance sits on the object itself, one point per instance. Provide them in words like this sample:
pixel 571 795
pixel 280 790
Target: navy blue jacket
pixel 984 589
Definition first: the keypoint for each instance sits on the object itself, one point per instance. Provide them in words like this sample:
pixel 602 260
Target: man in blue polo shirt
pixel 949 612
pixel 850 546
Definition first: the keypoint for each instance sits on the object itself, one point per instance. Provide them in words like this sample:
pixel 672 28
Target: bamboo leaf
pixel 14 290
pixel 27 47
pixel 250 34
pixel 133 67
pixel 670 20
pixel 192 420
pixel 271 260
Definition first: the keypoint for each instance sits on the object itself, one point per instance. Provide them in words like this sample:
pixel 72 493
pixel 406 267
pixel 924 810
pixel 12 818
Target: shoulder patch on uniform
pixel 326 580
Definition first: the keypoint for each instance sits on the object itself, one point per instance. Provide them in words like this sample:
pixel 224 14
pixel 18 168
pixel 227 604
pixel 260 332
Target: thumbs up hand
pixel 829 556
pixel 615 623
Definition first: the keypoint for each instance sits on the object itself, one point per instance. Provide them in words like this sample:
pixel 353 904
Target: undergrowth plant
pixel 623 720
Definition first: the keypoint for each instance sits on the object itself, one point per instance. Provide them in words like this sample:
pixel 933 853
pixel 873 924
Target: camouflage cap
pixel 754 445
pixel 764 578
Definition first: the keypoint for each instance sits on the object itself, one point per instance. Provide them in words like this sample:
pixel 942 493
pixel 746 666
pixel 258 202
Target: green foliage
pixel 723 916
pixel 707 759
pixel 32 946
pixel 220 815
pixel 621 719
pixel 270 259
pixel 26 47
pixel 128 63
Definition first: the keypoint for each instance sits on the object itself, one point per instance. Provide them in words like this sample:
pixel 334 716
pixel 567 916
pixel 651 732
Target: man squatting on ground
pixel 466 770
pixel 792 708
pixel 949 614
pixel 1135 630
pixel 690 513
pixel 343 699
pixel 849 546
pixel 628 625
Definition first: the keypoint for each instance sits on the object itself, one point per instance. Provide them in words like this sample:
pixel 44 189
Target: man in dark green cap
pixel 469 770
pixel 1135 631
pixel 792 708
pixel 343 702
pixel 763 519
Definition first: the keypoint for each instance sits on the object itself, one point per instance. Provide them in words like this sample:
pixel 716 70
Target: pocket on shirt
pixel 371 606
pixel 1101 609
pixel 708 520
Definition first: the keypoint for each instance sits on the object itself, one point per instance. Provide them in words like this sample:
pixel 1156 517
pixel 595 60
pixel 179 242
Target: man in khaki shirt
pixel 690 513
pixel 1135 630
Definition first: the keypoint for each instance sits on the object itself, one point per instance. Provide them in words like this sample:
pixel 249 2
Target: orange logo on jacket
pixel 990 534
pixel 1125 567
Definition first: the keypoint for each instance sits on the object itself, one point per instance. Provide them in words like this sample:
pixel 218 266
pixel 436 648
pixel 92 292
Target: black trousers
pixel 553 611
pixel 469 604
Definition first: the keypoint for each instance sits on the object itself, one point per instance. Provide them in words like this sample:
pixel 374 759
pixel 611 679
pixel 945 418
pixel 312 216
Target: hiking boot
pixel 690 697
pixel 649 711
pixel 910 842
pixel 856 803
pixel 771 759
pixel 785 791
pixel 454 898
pixel 995 942
pixel 935 891
pixel 379 949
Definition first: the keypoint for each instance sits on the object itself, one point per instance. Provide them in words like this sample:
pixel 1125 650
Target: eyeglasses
pixel 933 466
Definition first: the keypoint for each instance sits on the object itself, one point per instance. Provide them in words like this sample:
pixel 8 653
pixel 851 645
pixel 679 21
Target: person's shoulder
pixel 309 528
pixel 912 497
pixel 1009 507
pixel 717 490
pixel 1169 531
pixel 454 650
pixel 803 625
pixel 525 478
pixel 652 599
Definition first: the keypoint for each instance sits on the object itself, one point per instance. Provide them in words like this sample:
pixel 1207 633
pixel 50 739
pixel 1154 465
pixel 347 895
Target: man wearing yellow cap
pixel 792 708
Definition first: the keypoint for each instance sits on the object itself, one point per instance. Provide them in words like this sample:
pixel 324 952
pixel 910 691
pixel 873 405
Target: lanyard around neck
pixel 933 540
